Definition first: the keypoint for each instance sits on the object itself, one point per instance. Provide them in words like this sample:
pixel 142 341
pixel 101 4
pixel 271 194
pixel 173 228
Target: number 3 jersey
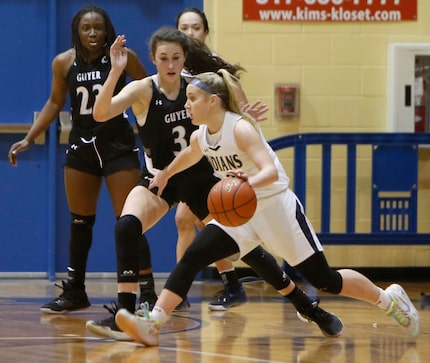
pixel 167 128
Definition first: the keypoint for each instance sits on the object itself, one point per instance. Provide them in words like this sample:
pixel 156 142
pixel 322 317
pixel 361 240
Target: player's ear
pixel 213 99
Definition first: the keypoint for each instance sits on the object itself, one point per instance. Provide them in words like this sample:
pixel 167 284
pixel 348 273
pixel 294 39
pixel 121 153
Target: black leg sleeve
pixel 210 245
pixel 264 264
pixel 128 232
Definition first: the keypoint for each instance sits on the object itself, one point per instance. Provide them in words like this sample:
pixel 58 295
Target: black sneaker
pixel 226 299
pixel 72 299
pixel 148 296
pixel 329 324
pixel 107 328
pixel 184 305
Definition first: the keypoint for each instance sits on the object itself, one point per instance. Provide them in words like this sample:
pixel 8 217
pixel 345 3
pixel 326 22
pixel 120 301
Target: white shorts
pixel 279 223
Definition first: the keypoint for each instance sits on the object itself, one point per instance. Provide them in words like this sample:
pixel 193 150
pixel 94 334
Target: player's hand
pixel 256 110
pixel 159 181
pixel 238 174
pixel 118 54
pixel 16 148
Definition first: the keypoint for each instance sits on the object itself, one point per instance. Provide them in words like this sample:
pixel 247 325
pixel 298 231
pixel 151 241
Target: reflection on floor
pixel 264 330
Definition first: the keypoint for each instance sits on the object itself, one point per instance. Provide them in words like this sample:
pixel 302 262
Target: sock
pixel 146 283
pixel 301 301
pixel 230 280
pixel 127 300
pixel 158 314
pixel 384 300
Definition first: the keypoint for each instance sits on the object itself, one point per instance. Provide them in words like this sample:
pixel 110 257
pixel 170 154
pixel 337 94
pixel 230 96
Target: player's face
pixel 169 58
pixel 197 104
pixel 191 24
pixel 92 32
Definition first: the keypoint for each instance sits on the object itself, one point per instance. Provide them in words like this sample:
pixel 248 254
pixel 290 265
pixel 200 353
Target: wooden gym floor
pixel 264 330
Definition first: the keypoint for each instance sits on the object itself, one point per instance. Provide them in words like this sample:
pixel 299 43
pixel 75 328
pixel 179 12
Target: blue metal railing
pixel 300 142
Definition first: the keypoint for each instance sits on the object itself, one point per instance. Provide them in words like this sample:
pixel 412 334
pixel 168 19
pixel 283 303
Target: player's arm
pixel 50 110
pixel 186 158
pixel 108 106
pixel 134 68
pixel 250 141
pixel 256 110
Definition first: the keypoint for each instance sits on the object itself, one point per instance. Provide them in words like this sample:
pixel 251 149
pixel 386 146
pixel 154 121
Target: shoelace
pixel 397 313
pixel 113 308
pixel 67 291
pixel 219 293
pixel 313 312
pixel 143 310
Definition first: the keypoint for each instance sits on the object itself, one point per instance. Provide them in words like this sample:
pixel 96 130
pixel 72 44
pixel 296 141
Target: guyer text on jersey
pixel 176 116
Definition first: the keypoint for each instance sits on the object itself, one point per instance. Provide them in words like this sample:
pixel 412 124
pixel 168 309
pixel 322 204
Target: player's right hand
pixel 16 148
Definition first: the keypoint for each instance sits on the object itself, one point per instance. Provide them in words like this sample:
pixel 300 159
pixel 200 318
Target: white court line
pixel 245 359
pixel 236 357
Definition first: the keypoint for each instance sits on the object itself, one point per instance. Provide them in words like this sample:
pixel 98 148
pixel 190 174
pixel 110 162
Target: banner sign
pixel 330 10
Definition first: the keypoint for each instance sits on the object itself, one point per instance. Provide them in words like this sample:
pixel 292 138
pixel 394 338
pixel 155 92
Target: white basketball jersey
pixel 224 155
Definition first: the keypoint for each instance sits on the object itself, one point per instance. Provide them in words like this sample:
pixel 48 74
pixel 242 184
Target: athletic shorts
pixel 280 225
pixel 191 186
pixel 103 153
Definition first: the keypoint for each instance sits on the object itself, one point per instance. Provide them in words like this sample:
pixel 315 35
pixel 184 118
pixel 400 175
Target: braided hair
pixel 76 41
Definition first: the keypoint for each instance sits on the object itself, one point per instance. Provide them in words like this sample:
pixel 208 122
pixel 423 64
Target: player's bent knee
pixel 330 282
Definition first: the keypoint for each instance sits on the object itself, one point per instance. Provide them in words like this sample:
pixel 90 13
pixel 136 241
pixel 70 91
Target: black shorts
pixel 103 153
pixel 191 186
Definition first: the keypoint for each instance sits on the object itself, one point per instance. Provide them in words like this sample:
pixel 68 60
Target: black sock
pixel 146 283
pixel 230 280
pixel 127 300
pixel 301 301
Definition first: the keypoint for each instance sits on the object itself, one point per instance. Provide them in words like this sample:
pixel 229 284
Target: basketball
pixel 232 201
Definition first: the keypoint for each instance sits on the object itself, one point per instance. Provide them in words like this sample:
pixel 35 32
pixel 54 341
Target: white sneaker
pixel 142 330
pixel 403 311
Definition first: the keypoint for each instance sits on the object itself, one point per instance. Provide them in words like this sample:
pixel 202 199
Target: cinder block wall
pixel 342 72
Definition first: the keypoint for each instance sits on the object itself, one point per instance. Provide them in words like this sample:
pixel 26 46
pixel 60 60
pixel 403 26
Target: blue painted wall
pixel 34 216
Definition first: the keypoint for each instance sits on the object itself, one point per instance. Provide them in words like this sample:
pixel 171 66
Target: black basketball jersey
pixel 167 128
pixel 84 84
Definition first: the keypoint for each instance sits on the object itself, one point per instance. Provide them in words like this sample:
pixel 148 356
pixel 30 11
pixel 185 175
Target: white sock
pixel 158 314
pixel 384 300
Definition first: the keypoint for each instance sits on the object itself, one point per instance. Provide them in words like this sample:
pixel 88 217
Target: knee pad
pixel 128 232
pixel 266 266
pixel 78 220
pixel 81 236
pixel 81 231
pixel 317 272
pixel 330 282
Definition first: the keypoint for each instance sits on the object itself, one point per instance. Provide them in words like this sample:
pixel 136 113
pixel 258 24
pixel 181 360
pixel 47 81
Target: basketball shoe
pixel 108 328
pixel 72 299
pixel 403 311
pixel 142 330
pixel 329 324
pixel 226 299
pixel 184 305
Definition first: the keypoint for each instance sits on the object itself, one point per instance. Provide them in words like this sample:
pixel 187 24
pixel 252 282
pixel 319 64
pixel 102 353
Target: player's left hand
pixel 118 53
pixel 256 110
pixel 159 181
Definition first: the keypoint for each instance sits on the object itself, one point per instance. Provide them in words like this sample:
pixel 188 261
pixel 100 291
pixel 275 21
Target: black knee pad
pixel 145 261
pixel 266 266
pixel 81 237
pixel 128 232
pixel 81 230
pixel 319 274
pixel 79 220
